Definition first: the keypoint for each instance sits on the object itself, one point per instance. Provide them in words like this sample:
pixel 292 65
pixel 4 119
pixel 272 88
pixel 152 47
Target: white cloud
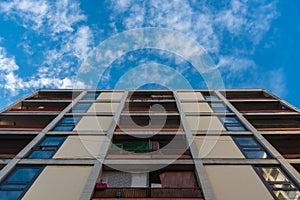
pixel 32 13
pixel 47 17
pixel 240 21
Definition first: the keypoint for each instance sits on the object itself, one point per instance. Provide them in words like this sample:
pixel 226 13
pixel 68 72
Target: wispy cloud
pixel 240 23
pixel 58 22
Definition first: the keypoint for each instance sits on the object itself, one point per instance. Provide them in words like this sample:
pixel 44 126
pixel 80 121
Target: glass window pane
pixel 217 105
pixel 246 141
pixel 69 120
pixel 52 141
pixel 23 175
pixel 256 154
pixel 209 98
pixel 64 128
pixel 235 128
pixel 272 174
pixel 42 154
pixel 81 108
pixel 10 195
pixel 13 186
pixel 229 120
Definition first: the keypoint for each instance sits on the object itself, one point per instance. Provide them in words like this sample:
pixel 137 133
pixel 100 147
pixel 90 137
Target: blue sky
pixel 254 44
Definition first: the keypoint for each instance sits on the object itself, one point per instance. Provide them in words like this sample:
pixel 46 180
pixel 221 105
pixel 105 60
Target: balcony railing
pixel 21 127
pixel 151 111
pixel 152 128
pixel 160 154
pixel 35 110
pixel 142 193
pixel 265 110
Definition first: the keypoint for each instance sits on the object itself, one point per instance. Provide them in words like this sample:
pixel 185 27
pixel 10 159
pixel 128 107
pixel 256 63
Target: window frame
pixel 14 186
pixel 230 122
pixel 47 148
pixel 77 109
pixel 68 123
pixel 219 109
pixel 272 190
pixel 91 96
pixel 255 148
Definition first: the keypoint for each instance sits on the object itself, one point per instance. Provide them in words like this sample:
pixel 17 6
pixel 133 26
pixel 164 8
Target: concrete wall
pixel 196 107
pixel 204 123
pixel 217 147
pixel 94 123
pixel 59 182
pixel 103 107
pixel 189 96
pixel 83 146
pixel 236 182
pixel 110 96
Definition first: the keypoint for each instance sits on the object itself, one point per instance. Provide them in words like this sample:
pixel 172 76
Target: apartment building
pixel 239 144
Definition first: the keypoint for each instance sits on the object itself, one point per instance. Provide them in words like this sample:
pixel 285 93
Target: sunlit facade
pixel 150 144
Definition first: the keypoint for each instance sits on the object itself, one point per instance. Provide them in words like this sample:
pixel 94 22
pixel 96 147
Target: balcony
pixel 261 107
pixel 287 145
pixel 149 123
pixel 24 122
pixel 11 145
pixel 37 107
pixel 275 122
pixel 247 95
pixel 150 107
pixel 146 96
pixel 173 181
pixel 54 95
pixel 148 193
pixel 155 147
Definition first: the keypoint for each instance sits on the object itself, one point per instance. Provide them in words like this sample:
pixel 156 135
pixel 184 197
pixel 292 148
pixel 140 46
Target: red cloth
pixel 101 185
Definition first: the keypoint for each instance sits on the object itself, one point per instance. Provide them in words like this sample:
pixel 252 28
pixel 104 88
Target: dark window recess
pixel 48 147
pixel 18 182
pixel 91 96
pixel 278 183
pixel 81 108
pixel 232 124
pixel 219 108
pixel 67 124
pixel 250 147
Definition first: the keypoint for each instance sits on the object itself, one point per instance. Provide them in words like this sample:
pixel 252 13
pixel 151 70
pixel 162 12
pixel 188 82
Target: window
pixel 18 182
pixel 250 147
pixel 232 124
pixel 210 97
pixel 91 96
pixel 280 185
pixel 219 108
pixel 48 147
pixel 67 124
pixel 81 108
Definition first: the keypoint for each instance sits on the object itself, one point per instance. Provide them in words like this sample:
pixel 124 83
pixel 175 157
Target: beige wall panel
pixel 59 182
pixel 217 147
pixel 103 107
pixel 189 96
pixel 83 146
pixel 236 182
pixel 196 107
pixel 94 123
pixel 204 123
pixel 110 96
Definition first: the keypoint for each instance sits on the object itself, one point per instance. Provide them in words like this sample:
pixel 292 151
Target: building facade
pixel 240 144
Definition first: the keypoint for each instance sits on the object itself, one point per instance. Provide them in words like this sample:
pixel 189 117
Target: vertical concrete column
pixel 98 167
pixel 291 170
pixel 200 170
pixel 9 167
